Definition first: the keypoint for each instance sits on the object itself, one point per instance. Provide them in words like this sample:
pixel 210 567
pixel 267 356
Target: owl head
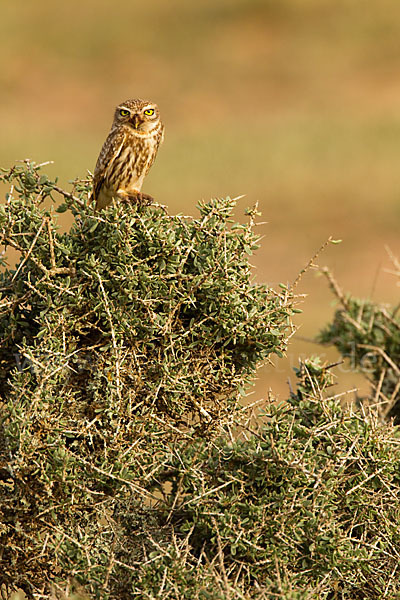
pixel 141 115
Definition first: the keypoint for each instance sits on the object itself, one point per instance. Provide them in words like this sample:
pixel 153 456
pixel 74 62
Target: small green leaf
pixel 94 227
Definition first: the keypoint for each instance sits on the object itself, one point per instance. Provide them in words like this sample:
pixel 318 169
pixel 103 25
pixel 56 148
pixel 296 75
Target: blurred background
pixel 294 103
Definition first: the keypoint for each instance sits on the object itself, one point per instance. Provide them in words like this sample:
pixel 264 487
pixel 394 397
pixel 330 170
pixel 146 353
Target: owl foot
pixel 140 198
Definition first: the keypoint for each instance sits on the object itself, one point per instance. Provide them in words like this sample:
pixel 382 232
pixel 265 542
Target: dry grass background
pixel 295 103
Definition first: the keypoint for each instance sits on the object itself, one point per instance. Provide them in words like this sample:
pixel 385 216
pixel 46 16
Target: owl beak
pixel 135 121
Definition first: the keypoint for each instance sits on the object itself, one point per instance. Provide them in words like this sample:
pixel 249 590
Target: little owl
pixel 128 153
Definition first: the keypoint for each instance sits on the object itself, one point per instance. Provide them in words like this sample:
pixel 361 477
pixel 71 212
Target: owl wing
pixel 158 141
pixel 109 152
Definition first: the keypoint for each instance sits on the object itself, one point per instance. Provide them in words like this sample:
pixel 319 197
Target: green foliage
pixel 305 505
pixel 128 469
pixel 368 334
pixel 165 305
pixel 134 330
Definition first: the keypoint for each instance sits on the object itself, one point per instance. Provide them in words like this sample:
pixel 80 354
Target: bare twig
pixel 52 257
pixel 114 341
pixel 68 195
pixel 310 263
pixel 335 287
pixel 30 249
pixel 387 358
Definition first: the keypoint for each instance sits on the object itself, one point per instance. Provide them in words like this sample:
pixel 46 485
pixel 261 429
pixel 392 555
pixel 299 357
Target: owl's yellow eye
pixel 149 112
pixel 123 112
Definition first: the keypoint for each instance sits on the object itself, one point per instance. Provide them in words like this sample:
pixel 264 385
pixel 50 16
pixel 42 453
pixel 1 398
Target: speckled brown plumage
pixel 128 152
